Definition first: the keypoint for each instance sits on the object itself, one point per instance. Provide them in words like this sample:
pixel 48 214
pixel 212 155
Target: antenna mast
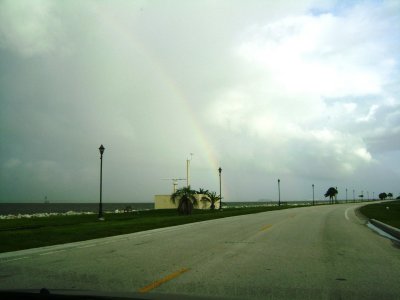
pixel 187 170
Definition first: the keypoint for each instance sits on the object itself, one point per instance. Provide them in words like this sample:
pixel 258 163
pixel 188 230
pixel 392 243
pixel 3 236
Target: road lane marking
pixel 345 214
pixel 87 246
pixel 266 227
pixel 52 252
pixel 157 283
pixel 99 244
pixel 14 259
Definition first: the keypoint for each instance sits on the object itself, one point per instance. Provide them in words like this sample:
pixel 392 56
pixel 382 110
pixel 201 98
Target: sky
pixel 302 91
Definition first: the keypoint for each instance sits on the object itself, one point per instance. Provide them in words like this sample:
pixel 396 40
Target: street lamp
pixel 101 149
pixel 220 195
pixel 313 203
pixel 279 192
pixel 346 195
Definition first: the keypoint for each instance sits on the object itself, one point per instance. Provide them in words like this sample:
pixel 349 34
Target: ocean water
pixel 35 208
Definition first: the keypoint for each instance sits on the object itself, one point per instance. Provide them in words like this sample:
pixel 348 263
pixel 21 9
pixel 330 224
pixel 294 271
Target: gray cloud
pixel 306 92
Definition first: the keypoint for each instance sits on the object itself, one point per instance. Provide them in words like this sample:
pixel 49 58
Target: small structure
pixel 165 202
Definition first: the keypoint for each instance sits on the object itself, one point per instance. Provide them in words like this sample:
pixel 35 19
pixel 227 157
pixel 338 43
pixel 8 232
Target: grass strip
pixel 19 234
pixel 387 212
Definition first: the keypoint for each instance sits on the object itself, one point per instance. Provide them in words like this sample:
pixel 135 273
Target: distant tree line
pixel 383 196
pixel 187 200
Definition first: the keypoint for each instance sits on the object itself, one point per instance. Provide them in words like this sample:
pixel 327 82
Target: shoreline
pixel 126 210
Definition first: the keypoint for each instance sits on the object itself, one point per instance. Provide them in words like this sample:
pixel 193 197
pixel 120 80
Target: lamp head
pixel 101 149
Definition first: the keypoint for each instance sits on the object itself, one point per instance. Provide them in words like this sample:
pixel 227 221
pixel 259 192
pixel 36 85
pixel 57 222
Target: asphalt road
pixel 323 252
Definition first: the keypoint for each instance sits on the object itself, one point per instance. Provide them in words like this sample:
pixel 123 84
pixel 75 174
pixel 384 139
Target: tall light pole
pixel 346 195
pixel 279 192
pixel 354 196
pixel 220 194
pixel 313 202
pixel 187 170
pixel 101 149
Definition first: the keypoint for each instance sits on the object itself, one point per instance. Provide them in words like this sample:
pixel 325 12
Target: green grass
pixel 18 234
pixel 379 212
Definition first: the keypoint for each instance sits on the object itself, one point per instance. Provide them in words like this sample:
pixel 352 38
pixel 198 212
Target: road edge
pixel 359 215
pixel 390 230
pixel 393 231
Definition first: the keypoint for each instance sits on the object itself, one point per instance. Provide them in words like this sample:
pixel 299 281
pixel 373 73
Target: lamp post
pixel 220 195
pixel 279 192
pixel 346 195
pixel 101 149
pixel 313 202
pixel 354 196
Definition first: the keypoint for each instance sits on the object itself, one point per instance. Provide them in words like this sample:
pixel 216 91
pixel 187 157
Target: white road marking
pixel 52 252
pixel 104 243
pixel 145 235
pixel 345 214
pixel 14 259
pixel 86 246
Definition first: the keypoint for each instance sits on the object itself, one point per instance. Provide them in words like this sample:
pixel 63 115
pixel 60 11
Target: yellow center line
pixel 157 283
pixel 268 226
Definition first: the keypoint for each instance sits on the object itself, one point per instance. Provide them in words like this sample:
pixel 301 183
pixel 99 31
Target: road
pixel 323 252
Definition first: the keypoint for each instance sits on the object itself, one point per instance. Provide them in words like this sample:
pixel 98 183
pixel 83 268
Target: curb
pixel 393 231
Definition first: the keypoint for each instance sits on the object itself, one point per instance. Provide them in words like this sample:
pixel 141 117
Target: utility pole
pixel 187 170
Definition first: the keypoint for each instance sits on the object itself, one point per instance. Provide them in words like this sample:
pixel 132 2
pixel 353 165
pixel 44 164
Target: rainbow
pixel 137 46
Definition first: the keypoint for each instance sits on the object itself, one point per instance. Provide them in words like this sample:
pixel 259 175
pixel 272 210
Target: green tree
pixel 331 193
pixel 186 198
pixel 202 191
pixel 212 198
pixel 383 196
pixel 390 195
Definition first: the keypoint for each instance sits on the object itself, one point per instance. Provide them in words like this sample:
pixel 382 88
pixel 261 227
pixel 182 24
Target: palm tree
pixel 202 191
pixel 186 198
pixel 212 198
pixel 331 193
